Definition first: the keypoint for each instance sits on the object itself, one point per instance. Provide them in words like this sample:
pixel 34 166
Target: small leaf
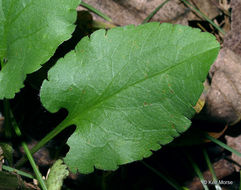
pixel 128 91
pixel 58 172
pixel 30 32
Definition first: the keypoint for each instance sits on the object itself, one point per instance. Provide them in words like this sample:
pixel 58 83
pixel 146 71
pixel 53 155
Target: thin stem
pixel 92 9
pixel 154 12
pixel 198 171
pixel 30 158
pixel 34 166
pixel 7 123
pixel 215 179
pixel 41 143
pixel 222 145
pixel 10 169
pixel 168 179
pixel 203 15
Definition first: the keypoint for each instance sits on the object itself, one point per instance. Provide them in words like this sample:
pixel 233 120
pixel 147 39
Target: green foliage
pixel 30 32
pixel 7 152
pixel 128 91
pixel 58 172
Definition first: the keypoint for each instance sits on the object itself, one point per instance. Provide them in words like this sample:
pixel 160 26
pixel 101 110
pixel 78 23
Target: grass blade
pixel 197 171
pixel 94 10
pixel 203 15
pixel 168 179
pixel 222 145
pixel 19 172
pixel 215 179
pixel 29 156
pixel 154 12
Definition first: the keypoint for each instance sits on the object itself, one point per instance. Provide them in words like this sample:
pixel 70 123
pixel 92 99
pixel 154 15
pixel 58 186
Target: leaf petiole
pixel 42 142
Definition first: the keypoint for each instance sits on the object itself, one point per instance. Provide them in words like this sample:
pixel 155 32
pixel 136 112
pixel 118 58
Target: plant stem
pixel 7 119
pixel 154 12
pixel 30 158
pixel 198 171
pixel 222 145
pixel 203 15
pixel 10 169
pixel 92 9
pixel 34 166
pixel 168 179
pixel 42 142
pixel 215 179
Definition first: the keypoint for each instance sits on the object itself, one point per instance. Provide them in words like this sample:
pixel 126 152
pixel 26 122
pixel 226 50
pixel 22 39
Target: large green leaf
pixel 30 32
pixel 128 91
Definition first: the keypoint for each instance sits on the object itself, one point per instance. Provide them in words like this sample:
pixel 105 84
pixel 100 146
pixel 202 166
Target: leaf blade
pixel 30 32
pixel 128 91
